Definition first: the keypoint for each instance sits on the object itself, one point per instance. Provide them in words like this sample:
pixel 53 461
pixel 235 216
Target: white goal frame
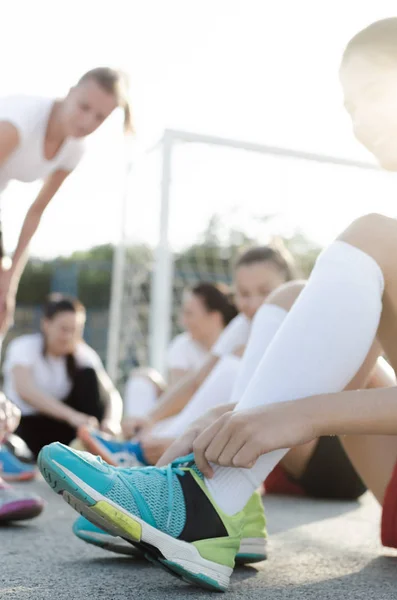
pixel 162 275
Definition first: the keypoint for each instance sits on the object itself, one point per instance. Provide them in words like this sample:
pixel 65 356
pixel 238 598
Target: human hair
pixel 377 42
pixel 216 298
pixel 56 304
pixel 275 253
pixel 114 82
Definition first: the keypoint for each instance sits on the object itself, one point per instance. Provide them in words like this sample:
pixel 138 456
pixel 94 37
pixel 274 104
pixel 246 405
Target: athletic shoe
pixel 114 452
pixel 90 533
pixel 18 506
pixel 252 545
pixel 168 512
pixel 12 469
pixel 18 447
pixel 254 536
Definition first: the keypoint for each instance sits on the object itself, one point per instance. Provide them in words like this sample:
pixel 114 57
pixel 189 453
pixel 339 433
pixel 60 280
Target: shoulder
pixel 20 103
pixel 240 322
pixel 180 342
pixel 25 113
pixel 87 357
pixel 33 342
pixel 23 350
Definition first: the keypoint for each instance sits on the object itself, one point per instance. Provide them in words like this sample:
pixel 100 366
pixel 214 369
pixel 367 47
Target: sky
pixel 250 70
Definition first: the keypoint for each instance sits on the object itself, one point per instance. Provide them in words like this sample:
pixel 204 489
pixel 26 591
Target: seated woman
pixel 319 468
pixel 206 311
pixel 58 381
pixel 257 272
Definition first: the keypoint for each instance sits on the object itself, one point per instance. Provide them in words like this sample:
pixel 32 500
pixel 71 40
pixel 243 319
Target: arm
pixel 172 401
pixel 175 375
pixel 372 412
pixel 31 223
pixel 176 398
pixel 114 404
pixel 46 404
pixel 239 438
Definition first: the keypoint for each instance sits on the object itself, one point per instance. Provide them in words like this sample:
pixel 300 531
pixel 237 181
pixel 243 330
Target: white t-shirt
pixel 185 354
pixel 236 334
pixel 49 372
pixel 30 114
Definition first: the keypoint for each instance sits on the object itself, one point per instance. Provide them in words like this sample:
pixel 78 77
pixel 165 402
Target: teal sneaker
pixel 252 545
pixel 168 512
pixel 90 533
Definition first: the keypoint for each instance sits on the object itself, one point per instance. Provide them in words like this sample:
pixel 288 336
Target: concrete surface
pixel 318 550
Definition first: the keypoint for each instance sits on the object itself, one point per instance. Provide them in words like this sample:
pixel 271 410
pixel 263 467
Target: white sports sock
pixel 318 349
pixel 265 325
pixel 140 396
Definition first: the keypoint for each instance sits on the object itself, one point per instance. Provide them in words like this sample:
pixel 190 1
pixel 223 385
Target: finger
pixel 181 447
pixel 221 440
pixel 201 444
pixel 234 444
pixel 248 454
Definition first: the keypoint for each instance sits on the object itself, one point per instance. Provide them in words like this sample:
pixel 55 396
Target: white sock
pixel 318 349
pixel 216 389
pixel 265 325
pixel 140 396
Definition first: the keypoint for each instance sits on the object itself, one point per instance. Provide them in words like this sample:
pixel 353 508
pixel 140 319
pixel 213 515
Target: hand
pixel 131 426
pixel 10 416
pixel 78 419
pixel 239 438
pixel 184 444
pixel 154 448
pixel 111 426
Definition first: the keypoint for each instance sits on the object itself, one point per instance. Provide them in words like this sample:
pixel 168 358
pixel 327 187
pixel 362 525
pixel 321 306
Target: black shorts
pixel 330 474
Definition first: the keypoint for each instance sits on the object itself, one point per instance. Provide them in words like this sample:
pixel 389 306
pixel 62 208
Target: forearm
pixel 21 254
pixel 44 403
pixel 32 221
pixel 371 412
pixel 173 400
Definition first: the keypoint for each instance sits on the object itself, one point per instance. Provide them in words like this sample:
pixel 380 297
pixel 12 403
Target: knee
pixel 375 234
pixel 286 294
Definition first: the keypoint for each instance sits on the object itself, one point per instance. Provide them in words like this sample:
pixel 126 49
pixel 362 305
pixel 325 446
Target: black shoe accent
pixel 202 520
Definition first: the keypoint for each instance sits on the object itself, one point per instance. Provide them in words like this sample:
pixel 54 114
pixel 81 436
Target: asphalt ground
pixel 320 550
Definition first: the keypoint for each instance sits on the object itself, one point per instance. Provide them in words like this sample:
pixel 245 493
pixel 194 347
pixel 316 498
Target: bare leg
pixel 374 457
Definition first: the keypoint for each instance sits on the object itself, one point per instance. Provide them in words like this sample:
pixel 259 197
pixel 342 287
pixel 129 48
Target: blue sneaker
pixel 114 452
pixel 13 469
pixel 90 533
pixel 168 512
pixel 253 545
